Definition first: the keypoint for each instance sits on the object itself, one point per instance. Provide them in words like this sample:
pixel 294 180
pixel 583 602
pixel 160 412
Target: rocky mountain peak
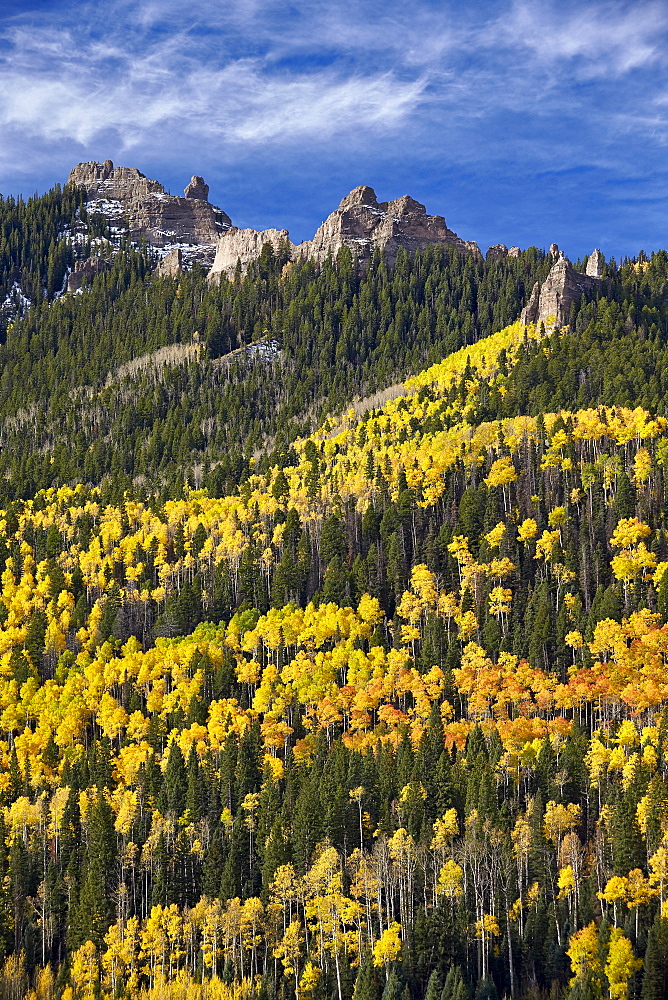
pixel 405 206
pixel 103 180
pixel 595 264
pixel 361 223
pixel 500 250
pixel 128 197
pixel 361 195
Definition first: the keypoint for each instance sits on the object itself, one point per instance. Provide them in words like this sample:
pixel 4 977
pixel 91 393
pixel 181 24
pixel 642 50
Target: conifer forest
pixel 333 627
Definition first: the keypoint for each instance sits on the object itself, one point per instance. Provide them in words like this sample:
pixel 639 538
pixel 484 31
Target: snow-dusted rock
pixel 152 214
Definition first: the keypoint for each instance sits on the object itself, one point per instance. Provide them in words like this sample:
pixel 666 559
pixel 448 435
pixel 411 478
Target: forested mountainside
pixel 306 699
pixel 325 333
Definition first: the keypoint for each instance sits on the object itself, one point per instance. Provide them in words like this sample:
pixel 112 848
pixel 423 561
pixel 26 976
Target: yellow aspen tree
pixel 173 923
pixel 211 920
pixel 45 984
pixel 450 881
pixel 527 530
pixel 493 537
pixel 521 837
pixel 445 829
pixel 620 965
pixel 642 467
pixel 486 928
pixel 565 882
pixel 501 474
pixel 289 950
pixel 658 867
pixel 559 819
pixel 364 887
pixel 308 982
pixel 388 947
pixel 252 914
pixel 584 954
pixel 403 851
pixel 85 971
pixel 615 890
pixel 113 957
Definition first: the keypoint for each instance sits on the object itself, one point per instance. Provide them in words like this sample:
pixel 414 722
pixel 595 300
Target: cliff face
pixel 84 271
pixel 164 220
pixel 171 265
pixel 123 193
pixel 361 223
pixel 103 180
pixel 244 245
pixel 595 264
pixel 562 287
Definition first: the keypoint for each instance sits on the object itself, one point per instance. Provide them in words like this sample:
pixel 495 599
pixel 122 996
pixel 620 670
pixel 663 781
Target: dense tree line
pixel 35 250
pixel 331 333
pixel 170 819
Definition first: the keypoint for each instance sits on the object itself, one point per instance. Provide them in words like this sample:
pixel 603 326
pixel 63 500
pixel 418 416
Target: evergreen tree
pixel 366 983
pixel 174 792
pixel 655 976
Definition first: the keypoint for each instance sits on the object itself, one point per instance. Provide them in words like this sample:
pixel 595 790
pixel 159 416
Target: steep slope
pixel 341 333
pixel 383 711
pixel 35 252
pixel 433 640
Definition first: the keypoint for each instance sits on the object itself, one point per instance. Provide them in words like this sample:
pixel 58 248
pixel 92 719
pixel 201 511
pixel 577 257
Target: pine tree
pixel 194 793
pixel 393 989
pixel 455 986
pixel 161 886
pixel 655 976
pixel 366 984
pixel 628 850
pixel 486 989
pixel 95 910
pixel 174 791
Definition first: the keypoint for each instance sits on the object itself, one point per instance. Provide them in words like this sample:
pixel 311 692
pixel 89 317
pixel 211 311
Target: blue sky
pixel 521 122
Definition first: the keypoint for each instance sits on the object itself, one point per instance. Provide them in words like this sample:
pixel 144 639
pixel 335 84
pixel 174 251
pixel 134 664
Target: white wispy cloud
pixel 264 73
pixel 57 82
pixel 591 40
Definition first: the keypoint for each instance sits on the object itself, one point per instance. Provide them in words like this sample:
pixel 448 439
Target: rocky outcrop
pixel 563 286
pixel 197 188
pixel 595 265
pixel 171 265
pixel 163 220
pixel 84 271
pixel 532 308
pixel 104 180
pixel 244 245
pixel 124 194
pixel 361 223
pixel 500 250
